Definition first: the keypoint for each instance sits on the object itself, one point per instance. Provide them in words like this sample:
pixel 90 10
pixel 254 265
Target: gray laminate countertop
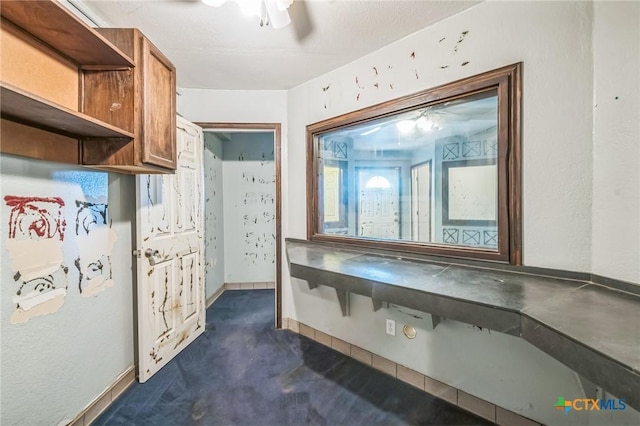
pixel 591 328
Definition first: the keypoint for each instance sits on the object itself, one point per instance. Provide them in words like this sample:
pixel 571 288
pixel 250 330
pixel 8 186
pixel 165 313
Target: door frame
pixel 276 128
pixel 431 182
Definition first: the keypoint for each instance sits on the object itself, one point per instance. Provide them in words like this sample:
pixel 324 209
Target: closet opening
pixel 243 247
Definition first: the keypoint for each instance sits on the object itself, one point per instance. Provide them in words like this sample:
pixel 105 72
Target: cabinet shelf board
pixel 52 23
pixel 23 107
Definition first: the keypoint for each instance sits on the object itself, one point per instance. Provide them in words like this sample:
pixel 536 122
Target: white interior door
pixel 421 202
pixel 379 202
pixel 171 306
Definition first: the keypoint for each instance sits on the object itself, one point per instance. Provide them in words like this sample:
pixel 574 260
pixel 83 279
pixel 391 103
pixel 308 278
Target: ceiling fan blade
pixel 302 23
pixel 278 17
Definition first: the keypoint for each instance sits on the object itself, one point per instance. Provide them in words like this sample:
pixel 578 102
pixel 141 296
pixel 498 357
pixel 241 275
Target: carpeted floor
pixel 242 371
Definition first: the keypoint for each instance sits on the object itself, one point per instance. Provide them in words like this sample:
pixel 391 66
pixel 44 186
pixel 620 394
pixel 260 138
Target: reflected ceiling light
pixel 405 126
pixel 270 12
pixel 424 124
pixel 368 132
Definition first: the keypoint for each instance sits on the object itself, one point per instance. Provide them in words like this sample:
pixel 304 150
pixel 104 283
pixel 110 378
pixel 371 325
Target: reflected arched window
pixel 378 182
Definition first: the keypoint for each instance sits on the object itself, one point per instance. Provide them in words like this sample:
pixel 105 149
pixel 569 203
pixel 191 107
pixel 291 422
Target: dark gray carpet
pixel 242 371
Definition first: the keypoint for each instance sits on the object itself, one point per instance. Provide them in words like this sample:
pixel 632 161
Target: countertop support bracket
pixel 435 320
pixel 343 298
pixel 377 304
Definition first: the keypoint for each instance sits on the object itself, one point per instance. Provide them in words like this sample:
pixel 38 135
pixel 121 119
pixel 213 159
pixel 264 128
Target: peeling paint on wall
pixel 39 296
pixel 257 212
pixel 36 234
pixel 37 242
pixel 95 240
pixel 373 82
pixel 249 207
pixel 34 258
pixel 463 35
pixel 214 227
pixel 36 217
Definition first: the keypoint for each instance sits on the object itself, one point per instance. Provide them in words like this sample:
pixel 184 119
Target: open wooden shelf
pixel 66 33
pixel 27 108
pixel 102 97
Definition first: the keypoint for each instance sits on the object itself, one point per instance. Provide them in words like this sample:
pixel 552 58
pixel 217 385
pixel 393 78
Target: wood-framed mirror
pixel 437 172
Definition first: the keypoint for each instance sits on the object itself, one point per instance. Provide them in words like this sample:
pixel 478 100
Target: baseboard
pixel 105 399
pixel 627 286
pixel 214 297
pixel 126 379
pixel 465 401
pixel 256 285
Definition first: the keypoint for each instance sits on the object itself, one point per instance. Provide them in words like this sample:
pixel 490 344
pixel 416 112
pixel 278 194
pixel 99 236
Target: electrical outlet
pixel 391 327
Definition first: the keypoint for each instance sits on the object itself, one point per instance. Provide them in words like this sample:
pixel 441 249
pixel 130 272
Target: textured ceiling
pixel 219 48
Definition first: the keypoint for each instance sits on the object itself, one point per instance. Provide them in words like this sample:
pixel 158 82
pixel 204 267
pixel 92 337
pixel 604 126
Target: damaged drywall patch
pixel 36 217
pixel 35 238
pixel 36 233
pixel 95 240
pixel 34 258
pixel 49 306
pixel 39 296
pixel 36 245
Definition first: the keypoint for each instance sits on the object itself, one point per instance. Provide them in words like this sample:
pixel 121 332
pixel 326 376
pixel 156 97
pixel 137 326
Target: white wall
pixel 234 106
pixel 616 150
pixel 249 208
pixel 54 365
pixel 214 214
pixel 242 106
pixel 554 41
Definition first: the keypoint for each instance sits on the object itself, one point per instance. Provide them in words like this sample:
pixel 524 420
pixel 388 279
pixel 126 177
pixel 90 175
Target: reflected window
pixel 379 182
pixel 439 176
pixel 331 187
pixel 334 197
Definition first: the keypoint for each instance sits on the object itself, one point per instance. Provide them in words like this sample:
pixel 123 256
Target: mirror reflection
pixel 424 175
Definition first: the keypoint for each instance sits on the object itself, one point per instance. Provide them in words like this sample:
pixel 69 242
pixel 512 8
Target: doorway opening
pixel 243 247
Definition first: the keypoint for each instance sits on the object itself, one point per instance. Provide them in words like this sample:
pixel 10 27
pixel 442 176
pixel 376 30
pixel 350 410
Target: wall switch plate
pixel 391 327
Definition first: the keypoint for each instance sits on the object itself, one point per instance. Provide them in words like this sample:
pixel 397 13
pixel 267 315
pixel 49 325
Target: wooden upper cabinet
pixel 141 100
pixel 159 88
pixel 122 115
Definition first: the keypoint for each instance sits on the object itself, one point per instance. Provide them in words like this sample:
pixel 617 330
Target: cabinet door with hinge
pixel 159 93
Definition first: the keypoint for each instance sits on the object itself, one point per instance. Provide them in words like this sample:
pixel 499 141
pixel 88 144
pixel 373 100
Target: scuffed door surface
pixel 171 311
